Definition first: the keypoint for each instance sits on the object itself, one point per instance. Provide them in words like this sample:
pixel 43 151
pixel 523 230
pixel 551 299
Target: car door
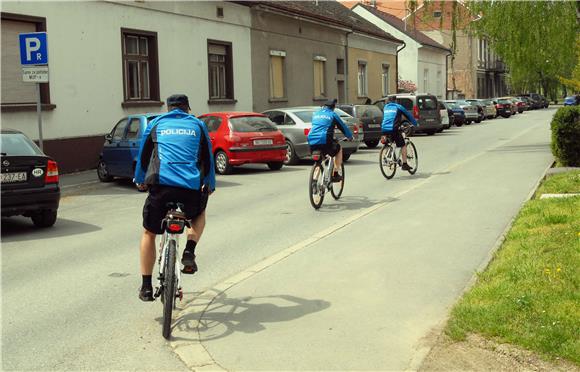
pixel 129 146
pixel 213 123
pixel 111 151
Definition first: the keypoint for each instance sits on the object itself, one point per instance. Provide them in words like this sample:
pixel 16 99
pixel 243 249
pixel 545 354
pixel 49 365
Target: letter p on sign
pixel 33 48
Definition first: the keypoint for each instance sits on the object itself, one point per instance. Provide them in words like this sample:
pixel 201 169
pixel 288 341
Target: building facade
pixel 108 60
pixel 423 61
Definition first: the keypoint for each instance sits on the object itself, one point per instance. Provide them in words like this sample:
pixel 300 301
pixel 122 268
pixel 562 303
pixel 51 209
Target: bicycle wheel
pixel 387 161
pixel 412 157
pixel 316 192
pixel 337 187
pixel 169 288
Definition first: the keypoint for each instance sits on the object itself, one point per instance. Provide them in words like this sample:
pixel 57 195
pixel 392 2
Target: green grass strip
pixel 530 293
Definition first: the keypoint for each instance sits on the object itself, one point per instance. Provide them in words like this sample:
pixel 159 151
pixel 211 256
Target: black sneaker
pixel 146 294
pixel 406 167
pixel 336 177
pixel 188 261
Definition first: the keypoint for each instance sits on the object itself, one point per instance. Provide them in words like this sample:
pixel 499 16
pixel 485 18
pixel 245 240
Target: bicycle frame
pixel 163 257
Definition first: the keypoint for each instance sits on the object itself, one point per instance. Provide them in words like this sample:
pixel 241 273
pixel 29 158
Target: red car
pixel 244 137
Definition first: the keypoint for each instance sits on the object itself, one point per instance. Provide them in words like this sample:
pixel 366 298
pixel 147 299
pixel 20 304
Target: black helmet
pixel 178 100
pixel 331 103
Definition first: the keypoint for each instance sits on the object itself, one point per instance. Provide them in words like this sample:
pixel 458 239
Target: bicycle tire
pixel 336 194
pixel 387 162
pixel 169 288
pixel 313 186
pixel 412 155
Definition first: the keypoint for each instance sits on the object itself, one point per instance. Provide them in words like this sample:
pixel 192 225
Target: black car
pixel 538 101
pixel 370 117
pixel 29 180
pixel 424 107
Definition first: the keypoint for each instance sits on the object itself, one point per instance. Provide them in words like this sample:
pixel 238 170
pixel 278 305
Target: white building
pixel 422 61
pixel 108 59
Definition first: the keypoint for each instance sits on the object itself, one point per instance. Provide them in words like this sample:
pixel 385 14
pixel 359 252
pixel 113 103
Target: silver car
pixel 295 123
pixel 471 113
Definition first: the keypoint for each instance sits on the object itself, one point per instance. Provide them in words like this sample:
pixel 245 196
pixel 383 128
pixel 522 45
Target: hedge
pixel 566 136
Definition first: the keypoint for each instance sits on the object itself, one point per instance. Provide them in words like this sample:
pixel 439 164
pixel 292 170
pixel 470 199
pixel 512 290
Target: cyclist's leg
pixel 195 203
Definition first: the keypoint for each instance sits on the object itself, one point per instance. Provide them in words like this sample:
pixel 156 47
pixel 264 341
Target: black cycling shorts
pixel 155 208
pixel 331 148
pixel 396 136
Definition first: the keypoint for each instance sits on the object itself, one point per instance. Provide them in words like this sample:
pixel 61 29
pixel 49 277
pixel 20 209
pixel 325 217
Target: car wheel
pixel 478 121
pixel 345 157
pixel 371 144
pixel 103 172
pixel 459 124
pixel 468 122
pixel 44 218
pixel 222 163
pixel 275 165
pixel 431 132
pixel 291 157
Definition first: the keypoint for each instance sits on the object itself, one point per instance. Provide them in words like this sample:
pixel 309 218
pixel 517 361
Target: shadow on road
pixel 349 203
pixel 419 175
pixel 259 169
pixel 225 316
pixel 539 147
pixel 21 229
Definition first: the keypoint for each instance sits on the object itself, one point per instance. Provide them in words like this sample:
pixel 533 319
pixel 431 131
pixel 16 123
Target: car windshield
pixel 453 105
pixel 252 124
pixel 368 111
pixel 17 144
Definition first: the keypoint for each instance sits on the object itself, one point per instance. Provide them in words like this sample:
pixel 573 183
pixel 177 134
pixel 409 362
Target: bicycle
pixel 321 178
pixel 169 278
pixel 388 158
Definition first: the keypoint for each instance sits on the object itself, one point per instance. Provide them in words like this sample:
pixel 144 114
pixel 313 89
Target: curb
pixel 418 359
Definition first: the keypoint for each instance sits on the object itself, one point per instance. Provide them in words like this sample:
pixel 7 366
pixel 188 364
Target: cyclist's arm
pixel 343 128
pixel 207 162
pixel 408 115
pixel 144 156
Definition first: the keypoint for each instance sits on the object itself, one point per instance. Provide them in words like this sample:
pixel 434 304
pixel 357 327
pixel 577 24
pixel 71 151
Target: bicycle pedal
pixel 157 292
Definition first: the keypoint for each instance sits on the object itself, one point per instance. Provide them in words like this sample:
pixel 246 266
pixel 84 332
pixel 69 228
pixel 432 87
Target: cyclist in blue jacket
pixel 321 136
pixel 392 114
pixel 175 164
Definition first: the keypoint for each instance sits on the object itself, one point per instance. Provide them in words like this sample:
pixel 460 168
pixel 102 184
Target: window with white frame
pixel 319 74
pixel 362 79
pixel 385 79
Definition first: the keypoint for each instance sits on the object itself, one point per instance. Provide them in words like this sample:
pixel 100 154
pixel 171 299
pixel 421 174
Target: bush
pixel 566 135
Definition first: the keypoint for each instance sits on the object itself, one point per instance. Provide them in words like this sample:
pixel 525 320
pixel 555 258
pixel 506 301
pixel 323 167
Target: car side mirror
pixel 108 137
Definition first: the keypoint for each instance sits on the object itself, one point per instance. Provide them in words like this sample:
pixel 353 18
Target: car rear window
pixel 348 109
pixel 427 103
pixel 252 124
pixel 407 103
pixel 17 144
pixel 503 101
pixel 368 111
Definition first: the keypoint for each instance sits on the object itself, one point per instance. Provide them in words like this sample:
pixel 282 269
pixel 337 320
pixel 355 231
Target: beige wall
pixel 374 60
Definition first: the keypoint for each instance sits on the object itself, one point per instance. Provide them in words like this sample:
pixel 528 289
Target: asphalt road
pixel 411 244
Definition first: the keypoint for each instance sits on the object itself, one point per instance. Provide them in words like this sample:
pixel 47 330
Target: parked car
pixel 424 108
pixel 538 100
pixel 370 118
pixel 490 110
pixel 480 108
pixel 457 112
pixel 446 118
pixel 295 124
pixel 513 107
pixel 118 157
pixel 523 103
pixel 244 137
pixel 520 104
pixel 470 111
pixel 572 101
pixel 528 102
pixel 29 179
pixel 503 106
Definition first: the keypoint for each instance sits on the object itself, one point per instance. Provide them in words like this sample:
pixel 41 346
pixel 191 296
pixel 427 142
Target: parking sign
pixel 33 48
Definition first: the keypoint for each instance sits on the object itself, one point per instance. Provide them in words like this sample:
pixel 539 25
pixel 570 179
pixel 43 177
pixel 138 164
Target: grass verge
pixel 530 293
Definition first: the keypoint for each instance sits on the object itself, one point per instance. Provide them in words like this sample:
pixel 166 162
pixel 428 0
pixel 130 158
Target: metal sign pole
pixel 39 114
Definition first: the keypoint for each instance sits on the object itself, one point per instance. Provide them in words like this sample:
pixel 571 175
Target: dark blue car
pixel 458 113
pixel 572 101
pixel 121 147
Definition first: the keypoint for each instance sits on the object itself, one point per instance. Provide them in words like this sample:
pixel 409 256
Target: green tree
pixel 535 39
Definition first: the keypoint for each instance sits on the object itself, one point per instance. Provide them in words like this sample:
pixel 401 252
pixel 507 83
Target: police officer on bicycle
pixel 175 164
pixel 321 136
pixel 391 126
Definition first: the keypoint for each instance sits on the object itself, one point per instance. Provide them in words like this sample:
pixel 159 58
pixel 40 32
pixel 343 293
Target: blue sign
pixel 33 48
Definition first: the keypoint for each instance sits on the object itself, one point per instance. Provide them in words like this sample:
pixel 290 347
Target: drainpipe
pixel 397 68
pixel 447 75
pixel 346 73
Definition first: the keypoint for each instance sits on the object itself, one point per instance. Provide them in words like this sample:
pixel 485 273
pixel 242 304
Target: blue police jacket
pixel 323 123
pixel 176 151
pixel 392 115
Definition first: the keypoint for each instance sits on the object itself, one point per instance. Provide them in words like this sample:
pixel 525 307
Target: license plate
pixel 263 142
pixel 374 125
pixel 429 120
pixel 13 177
